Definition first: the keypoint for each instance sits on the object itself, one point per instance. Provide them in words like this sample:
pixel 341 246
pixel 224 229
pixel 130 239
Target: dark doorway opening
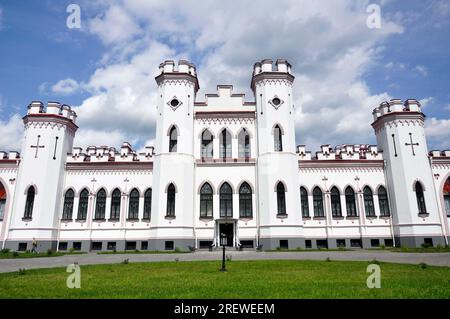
pixel 228 230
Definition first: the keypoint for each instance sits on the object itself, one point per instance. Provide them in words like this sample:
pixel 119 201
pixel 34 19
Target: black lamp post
pixel 223 243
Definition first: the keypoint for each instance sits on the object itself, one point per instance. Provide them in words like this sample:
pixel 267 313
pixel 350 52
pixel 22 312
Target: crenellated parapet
pixel 355 152
pixel 398 113
pixel 266 72
pixel 183 73
pixel 107 154
pixel 7 157
pixel 55 115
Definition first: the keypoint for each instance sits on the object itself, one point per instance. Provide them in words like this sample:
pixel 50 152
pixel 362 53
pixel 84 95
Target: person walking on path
pixel 34 246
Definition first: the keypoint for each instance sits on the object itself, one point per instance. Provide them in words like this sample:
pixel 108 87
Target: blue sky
pixel 343 69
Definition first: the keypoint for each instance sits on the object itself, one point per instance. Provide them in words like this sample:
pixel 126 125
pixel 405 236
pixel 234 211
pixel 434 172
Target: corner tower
pixel 399 128
pixel 277 163
pixel 173 191
pixel 48 137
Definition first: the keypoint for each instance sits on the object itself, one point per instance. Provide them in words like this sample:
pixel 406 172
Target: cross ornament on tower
pixel 412 144
pixel 37 146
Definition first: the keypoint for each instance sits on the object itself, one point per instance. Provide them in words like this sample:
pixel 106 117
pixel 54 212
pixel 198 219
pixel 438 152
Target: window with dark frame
pixel 68 205
pixel 383 202
pixel 206 201
pixel 100 205
pixel 115 204
pixel 281 199
pixel 29 202
pixel 226 200
pixel 170 211
pixel 350 201
pixel 420 198
pixel 304 202
pixel 368 202
pixel 173 139
pixel 336 209
pixel 83 204
pixel 147 204
pixel 245 201
pixel 133 206
pixel 318 202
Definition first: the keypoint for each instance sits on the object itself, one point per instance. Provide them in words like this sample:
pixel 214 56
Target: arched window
pixel 420 198
pixel 133 206
pixel 100 205
pixel 244 144
pixel 170 210
pixel 68 205
pixel 281 199
pixel 350 201
pixel 368 202
pixel 336 210
pixel 207 144
pixel 278 139
pixel 206 201
pixel 447 196
pixel 383 202
pixel 29 203
pixel 304 202
pixel 318 203
pixel 225 144
pixel 245 201
pixel 115 205
pixel 83 204
pixel 173 139
pixel 2 201
pixel 226 201
pixel 147 204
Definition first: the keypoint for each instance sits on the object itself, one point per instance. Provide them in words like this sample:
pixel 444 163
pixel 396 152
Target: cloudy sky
pixel 106 68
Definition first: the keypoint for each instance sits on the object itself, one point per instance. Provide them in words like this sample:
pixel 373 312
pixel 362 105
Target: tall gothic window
pixel 447 196
pixel 318 203
pixel 100 205
pixel 2 201
pixel 304 202
pixel 368 202
pixel 277 139
pixel 206 201
pixel 225 144
pixel 244 144
pixel 133 206
pixel 29 202
pixel 170 210
pixel 420 198
pixel 383 202
pixel 147 204
pixel 207 144
pixel 226 200
pixel 115 205
pixel 173 139
pixel 245 201
pixel 281 199
pixel 68 204
pixel 350 201
pixel 83 204
pixel 336 210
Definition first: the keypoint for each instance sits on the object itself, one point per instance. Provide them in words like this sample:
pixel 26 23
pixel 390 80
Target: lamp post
pixel 223 243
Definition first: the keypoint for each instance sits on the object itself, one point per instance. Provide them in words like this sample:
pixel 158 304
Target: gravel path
pixel 436 259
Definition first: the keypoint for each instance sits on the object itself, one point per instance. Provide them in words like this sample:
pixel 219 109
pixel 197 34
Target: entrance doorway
pixel 228 230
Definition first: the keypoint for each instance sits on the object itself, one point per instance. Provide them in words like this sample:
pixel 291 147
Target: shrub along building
pixel 228 166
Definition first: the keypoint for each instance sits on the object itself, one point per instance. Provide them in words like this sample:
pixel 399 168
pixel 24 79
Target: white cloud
pixel 65 87
pixel 422 70
pixel 11 132
pixel 330 51
pixel 447 107
pixel 439 131
pixel 426 101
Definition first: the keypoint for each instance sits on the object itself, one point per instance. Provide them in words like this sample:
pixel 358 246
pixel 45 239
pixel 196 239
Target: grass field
pixel 244 279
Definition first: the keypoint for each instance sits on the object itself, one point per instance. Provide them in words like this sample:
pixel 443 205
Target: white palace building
pixel 227 166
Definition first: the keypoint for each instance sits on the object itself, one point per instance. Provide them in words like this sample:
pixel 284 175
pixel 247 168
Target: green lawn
pixel 142 252
pixel 10 255
pixel 244 279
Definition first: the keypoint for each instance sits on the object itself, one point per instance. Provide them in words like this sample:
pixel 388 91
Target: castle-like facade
pixel 224 167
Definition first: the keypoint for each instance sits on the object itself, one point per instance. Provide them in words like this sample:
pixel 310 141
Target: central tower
pixel 277 163
pixel 173 171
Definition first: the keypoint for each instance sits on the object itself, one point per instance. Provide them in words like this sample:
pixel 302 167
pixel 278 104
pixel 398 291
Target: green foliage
pixel 125 261
pixel 260 279
pixel 229 258
pixel 5 250
pixel 374 261
pixel 177 249
pixel 21 271
pixel 328 259
pixel 49 252
pixel 15 254
pixel 423 265
pixel 382 246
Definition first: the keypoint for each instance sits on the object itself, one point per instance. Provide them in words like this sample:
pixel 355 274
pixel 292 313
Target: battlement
pixel 183 66
pixel 396 105
pixel 107 154
pixel 438 154
pixel 266 65
pixel 9 156
pixel 341 152
pixel 53 108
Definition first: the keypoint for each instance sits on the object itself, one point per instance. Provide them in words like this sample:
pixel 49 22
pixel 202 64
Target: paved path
pixel 436 259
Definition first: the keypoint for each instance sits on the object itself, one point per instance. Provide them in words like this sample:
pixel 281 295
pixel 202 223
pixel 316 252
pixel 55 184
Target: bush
pixel 5 250
pixel 49 252
pixel 382 246
pixel 328 259
pixel 15 254
pixel 229 258
pixel 423 265
pixel 71 250
pixel 278 248
pixel 424 245
pixel 439 246
pixel 177 260
pixel 125 261
pixel 21 271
